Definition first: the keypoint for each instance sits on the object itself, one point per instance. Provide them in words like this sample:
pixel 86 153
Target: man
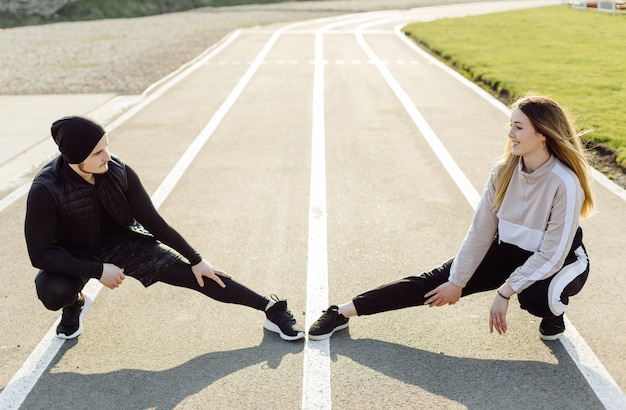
pixel 88 216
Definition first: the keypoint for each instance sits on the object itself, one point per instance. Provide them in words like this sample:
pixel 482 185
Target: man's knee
pixel 57 291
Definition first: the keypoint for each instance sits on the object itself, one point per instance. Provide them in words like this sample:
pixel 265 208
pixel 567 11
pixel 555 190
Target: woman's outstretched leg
pixel 411 291
pixel 398 294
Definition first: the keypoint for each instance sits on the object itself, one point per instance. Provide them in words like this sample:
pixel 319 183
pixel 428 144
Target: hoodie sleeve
pixel 479 237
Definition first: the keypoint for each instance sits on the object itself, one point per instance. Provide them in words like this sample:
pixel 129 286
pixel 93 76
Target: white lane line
pixel 183 163
pixel 316 390
pixel 25 379
pixel 14 196
pixel 598 377
pixel 608 184
pixel 316 366
pixel 597 175
pixel 161 86
pixel 14 394
pixel 440 150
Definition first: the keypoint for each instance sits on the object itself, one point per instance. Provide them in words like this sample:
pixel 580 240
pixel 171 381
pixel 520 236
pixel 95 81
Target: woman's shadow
pixel 143 389
pixel 475 383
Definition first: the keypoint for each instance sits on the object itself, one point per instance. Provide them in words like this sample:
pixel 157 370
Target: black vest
pixel 77 201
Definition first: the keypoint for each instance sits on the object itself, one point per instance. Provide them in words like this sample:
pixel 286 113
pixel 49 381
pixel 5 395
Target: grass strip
pixel 575 56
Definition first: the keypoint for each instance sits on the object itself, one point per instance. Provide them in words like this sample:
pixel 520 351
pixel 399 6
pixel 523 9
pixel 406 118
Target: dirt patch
pixel 603 159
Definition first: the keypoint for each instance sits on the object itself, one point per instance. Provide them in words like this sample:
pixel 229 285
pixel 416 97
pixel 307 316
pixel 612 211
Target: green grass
pixel 575 56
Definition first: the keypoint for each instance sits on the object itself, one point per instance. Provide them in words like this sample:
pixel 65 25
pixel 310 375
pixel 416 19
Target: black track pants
pixel 56 290
pixel 546 298
pixel 180 274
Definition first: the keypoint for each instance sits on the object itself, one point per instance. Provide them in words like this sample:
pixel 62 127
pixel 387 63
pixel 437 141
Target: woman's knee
pixel 535 300
pixel 543 301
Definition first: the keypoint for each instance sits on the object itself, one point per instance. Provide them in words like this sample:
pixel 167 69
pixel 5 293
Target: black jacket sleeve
pixel 145 213
pixel 40 231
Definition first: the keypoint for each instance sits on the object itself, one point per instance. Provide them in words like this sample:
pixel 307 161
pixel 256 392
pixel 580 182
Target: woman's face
pixel 525 140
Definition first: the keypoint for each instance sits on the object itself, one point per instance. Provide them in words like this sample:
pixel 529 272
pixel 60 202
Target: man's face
pixel 98 161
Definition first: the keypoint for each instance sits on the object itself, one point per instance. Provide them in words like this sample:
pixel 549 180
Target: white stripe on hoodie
pixel 539 213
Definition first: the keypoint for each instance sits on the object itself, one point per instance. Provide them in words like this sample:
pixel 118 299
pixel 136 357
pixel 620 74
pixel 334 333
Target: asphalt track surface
pixel 315 160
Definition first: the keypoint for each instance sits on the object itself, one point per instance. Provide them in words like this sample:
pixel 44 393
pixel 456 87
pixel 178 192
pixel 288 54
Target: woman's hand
pixel 497 313
pixel 204 269
pixel 445 294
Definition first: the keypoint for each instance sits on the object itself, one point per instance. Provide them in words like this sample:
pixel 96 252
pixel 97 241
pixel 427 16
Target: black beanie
pixel 76 137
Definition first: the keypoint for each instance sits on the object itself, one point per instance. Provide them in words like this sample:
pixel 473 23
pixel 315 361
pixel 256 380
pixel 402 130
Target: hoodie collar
pixel 539 172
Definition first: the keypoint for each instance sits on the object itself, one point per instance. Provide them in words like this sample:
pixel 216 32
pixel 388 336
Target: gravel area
pixel 126 56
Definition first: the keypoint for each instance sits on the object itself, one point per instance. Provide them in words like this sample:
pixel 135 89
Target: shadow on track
pixel 475 383
pixel 143 389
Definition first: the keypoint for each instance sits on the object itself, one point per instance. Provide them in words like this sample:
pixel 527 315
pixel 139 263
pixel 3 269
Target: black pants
pixel 56 290
pixel 546 298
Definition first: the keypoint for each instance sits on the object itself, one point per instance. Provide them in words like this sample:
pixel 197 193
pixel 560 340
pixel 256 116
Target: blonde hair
pixel 562 141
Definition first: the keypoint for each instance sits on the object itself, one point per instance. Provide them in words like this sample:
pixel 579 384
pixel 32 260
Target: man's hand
pixel 112 276
pixel 445 294
pixel 204 269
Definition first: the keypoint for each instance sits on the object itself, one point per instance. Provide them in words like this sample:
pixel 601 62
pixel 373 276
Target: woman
pixel 524 238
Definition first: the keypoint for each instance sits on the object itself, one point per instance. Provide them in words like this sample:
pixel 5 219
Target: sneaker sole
pixel 550 337
pixel 272 327
pixel 327 335
pixel 81 317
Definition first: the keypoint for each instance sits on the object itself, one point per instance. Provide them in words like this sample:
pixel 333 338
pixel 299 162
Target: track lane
pixel 357 364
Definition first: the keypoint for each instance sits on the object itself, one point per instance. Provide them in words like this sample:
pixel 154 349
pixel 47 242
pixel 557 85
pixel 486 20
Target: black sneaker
pixel 327 324
pixel 71 324
pixel 281 321
pixel 551 328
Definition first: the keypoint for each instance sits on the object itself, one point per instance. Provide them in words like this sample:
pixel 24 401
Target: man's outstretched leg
pixel 279 318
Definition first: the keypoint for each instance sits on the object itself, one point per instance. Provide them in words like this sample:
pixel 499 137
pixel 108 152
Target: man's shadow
pixel 143 389
pixel 475 383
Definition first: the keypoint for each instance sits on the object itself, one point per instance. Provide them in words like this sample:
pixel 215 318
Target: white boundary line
pixel 165 85
pixel 459 178
pixel 14 196
pixel 26 377
pixel 318 352
pixel 316 390
pixel 15 392
pixel 168 82
pixel 597 175
pixel 599 379
pixel 316 361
